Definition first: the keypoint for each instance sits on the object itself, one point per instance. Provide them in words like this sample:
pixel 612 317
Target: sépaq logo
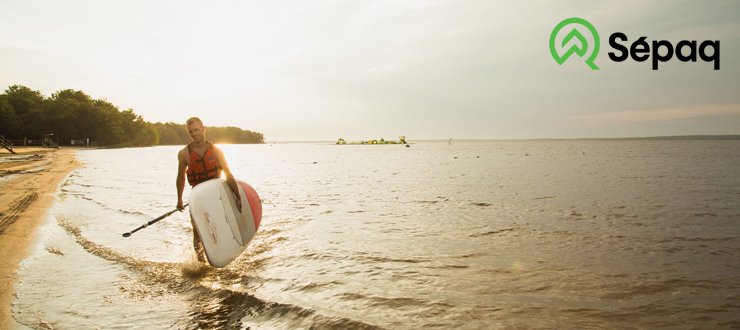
pixel 575 28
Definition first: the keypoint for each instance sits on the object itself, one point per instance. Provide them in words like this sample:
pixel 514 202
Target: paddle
pixel 153 221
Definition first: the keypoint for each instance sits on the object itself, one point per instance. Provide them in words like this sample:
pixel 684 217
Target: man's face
pixel 197 132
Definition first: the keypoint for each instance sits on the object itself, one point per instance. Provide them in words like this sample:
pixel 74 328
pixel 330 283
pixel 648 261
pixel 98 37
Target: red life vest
pixel 204 168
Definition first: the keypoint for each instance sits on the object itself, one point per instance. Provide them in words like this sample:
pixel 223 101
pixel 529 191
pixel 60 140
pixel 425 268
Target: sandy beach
pixel 28 181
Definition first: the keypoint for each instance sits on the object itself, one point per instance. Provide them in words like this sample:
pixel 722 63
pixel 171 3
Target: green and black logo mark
pixel 640 50
pixel 578 35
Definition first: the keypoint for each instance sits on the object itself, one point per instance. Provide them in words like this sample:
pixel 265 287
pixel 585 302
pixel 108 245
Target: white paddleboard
pixel 224 231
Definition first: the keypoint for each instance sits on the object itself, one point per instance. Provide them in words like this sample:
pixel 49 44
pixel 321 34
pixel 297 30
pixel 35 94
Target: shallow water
pixel 513 234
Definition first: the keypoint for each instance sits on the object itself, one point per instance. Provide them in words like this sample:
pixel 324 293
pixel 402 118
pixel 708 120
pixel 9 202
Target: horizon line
pixel 662 137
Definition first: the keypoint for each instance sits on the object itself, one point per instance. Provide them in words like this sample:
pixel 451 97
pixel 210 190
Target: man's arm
pixel 180 182
pixel 229 177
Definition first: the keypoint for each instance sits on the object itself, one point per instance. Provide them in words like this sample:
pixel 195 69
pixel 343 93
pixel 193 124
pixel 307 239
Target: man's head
pixel 196 130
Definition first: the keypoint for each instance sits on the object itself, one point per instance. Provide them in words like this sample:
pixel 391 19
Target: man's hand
pixel 179 205
pixel 239 203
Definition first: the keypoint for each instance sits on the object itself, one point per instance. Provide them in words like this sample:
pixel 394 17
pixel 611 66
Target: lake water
pixel 473 235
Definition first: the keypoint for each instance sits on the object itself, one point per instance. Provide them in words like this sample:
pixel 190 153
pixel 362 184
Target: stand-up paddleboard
pixel 224 231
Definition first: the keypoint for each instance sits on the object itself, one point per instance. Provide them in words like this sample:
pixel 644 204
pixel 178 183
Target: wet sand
pixel 28 181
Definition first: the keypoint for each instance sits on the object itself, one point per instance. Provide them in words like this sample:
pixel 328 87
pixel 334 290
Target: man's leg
pixel 197 244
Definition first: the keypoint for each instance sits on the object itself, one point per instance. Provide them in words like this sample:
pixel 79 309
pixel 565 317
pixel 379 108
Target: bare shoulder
pixel 217 150
pixel 183 154
pixel 221 157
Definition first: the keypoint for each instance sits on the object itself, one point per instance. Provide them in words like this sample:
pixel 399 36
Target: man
pixel 201 161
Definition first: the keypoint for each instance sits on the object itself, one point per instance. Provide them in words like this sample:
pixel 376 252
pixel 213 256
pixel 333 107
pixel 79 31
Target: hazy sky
pixel 321 70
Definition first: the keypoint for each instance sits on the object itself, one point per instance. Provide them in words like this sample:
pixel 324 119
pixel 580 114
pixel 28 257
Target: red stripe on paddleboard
pixel 254 203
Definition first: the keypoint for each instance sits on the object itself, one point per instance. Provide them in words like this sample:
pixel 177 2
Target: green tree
pixel 27 105
pixel 131 124
pixel 72 115
pixel 110 129
pixel 23 99
pixel 10 125
pixel 168 134
pixel 231 134
pixel 147 136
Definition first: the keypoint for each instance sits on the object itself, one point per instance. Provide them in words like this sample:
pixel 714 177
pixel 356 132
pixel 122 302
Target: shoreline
pixel 29 181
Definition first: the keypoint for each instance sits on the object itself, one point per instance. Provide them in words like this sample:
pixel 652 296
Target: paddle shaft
pixel 153 221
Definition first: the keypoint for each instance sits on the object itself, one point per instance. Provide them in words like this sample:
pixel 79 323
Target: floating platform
pixel 401 140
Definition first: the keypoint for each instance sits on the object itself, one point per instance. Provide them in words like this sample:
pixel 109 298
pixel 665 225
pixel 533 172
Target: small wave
pixel 294 317
pixel 697 239
pixel 396 302
pixel 472 255
pixel 480 204
pixel 131 212
pixel 360 257
pixel 631 290
pixel 108 208
pixel 71 182
pixel 453 267
pixel 493 232
pixel 702 215
pixel 498 271
pixel 310 286
pixel 638 289
pixel 384 259
pixel 382 301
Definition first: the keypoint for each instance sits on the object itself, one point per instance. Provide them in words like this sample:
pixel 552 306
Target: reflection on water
pixel 517 234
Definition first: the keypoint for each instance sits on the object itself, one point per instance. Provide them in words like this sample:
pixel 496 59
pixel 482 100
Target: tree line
pixel 74 115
